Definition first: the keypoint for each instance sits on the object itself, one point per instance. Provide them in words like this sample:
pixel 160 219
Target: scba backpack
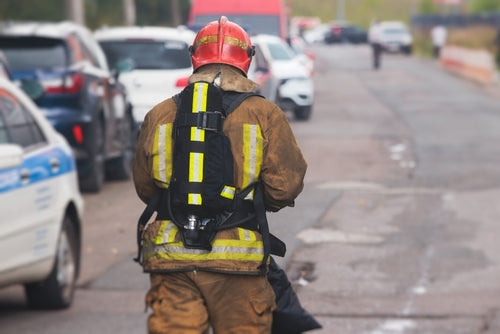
pixel 201 195
pixel 201 198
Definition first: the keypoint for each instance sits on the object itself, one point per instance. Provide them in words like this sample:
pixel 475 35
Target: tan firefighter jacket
pixel 264 148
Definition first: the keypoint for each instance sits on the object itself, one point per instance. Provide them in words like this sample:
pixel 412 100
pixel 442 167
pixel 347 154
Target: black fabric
pixel 217 161
pixel 289 317
pixel 148 212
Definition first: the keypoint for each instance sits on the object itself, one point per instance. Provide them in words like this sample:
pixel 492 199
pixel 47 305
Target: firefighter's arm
pixel 141 167
pixel 284 167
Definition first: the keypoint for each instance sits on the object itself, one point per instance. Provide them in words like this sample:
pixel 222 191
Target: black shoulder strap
pixel 148 212
pixel 231 100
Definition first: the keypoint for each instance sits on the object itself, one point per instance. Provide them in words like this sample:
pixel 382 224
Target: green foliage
pixel 427 7
pixel 361 12
pixel 478 6
pixel 101 13
pixel 46 10
pixel 97 12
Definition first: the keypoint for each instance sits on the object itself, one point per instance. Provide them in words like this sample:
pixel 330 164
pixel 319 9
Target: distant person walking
pixel 438 35
pixel 374 38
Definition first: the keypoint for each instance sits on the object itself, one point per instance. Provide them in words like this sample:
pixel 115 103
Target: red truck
pixel 255 16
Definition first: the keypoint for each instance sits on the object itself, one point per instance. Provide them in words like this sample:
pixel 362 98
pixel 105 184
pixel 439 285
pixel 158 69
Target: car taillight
pixel 78 134
pixel 68 85
pixel 182 82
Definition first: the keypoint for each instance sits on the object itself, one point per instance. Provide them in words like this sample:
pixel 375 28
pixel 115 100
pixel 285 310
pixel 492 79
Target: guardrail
pixel 478 65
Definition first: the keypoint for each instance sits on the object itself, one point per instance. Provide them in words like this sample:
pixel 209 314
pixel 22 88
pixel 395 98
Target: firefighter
pixel 225 288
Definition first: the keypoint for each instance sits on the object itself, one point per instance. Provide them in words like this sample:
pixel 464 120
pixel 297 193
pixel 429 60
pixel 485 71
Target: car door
pixel 112 93
pixel 28 217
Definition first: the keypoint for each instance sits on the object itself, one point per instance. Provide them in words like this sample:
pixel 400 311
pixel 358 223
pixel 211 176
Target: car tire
pixel 95 180
pixel 303 113
pixel 121 168
pixel 57 290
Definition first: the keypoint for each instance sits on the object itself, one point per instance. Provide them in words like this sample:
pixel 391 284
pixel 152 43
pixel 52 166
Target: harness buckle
pixel 210 120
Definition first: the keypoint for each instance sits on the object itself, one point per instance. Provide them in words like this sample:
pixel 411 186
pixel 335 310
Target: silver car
pixel 293 85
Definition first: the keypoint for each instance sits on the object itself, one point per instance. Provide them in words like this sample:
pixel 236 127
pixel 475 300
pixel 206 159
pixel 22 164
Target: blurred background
pixel 472 23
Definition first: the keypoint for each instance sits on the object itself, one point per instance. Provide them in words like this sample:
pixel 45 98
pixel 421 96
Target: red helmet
pixel 222 42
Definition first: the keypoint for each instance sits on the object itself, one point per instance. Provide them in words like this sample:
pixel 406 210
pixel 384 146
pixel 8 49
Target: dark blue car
pixel 82 99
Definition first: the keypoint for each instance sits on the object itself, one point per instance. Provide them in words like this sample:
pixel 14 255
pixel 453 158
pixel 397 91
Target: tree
pixel 478 6
pixel 427 7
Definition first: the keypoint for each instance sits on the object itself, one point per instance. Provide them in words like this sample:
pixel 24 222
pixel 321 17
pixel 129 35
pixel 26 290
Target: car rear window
pixel 280 51
pixel 148 54
pixel 29 53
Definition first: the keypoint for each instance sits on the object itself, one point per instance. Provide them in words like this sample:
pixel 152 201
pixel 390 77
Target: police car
pixel 40 204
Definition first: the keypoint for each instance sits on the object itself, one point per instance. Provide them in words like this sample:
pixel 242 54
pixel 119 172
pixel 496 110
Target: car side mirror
pixel 33 88
pixel 11 156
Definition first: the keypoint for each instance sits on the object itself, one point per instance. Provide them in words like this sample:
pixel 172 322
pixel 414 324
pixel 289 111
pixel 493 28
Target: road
pixel 393 233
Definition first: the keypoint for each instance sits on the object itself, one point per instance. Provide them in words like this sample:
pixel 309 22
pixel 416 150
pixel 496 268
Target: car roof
pixel 151 32
pixel 45 29
pixel 59 30
pixel 392 24
pixel 266 38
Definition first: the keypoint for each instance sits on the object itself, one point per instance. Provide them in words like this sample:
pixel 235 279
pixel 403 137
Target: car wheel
pixel 57 290
pixel 95 180
pixel 121 167
pixel 303 112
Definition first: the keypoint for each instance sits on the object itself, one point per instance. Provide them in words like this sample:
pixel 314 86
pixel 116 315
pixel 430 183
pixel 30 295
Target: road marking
pixel 378 188
pixel 394 326
pixel 315 236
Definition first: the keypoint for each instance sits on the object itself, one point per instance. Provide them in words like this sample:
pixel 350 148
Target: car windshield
pixel 148 54
pixel 254 24
pixel 394 31
pixel 33 53
pixel 280 51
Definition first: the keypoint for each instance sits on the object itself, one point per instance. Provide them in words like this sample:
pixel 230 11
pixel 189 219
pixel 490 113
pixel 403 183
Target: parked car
pixel 158 58
pixel 40 204
pixel 317 34
pixel 260 72
pixel 345 33
pixel 82 99
pixel 306 57
pixel 295 91
pixel 395 37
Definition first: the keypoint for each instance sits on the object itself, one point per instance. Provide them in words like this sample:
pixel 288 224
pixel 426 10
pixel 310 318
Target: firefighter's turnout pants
pixel 181 301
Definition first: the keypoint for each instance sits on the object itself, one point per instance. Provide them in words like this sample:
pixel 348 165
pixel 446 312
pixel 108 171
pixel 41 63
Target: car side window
pixel 260 61
pixel 18 125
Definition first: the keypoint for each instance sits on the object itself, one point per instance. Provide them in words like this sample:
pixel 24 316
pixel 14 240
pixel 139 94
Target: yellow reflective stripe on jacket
pixel 162 154
pixel 177 252
pixel 166 233
pixel 252 152
pixel 247 248
pixel 247 234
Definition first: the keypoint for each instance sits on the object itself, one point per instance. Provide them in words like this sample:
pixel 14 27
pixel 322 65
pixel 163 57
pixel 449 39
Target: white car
pixel 295 88
pixel 395 37
pixel 40 204
pixel 159 61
